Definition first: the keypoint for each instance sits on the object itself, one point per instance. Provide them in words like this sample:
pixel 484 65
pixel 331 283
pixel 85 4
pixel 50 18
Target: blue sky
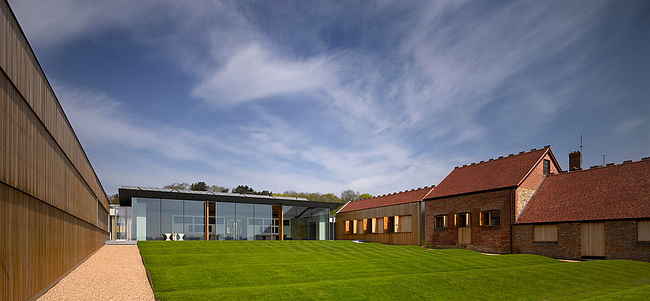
pixel 322 96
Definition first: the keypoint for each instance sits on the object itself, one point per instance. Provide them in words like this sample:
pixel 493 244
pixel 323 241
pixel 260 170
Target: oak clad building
pixel 394 218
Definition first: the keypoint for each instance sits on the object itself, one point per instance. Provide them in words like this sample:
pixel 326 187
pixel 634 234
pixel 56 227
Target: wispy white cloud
pixel 628 125
pixel 447 63
pixel 253 73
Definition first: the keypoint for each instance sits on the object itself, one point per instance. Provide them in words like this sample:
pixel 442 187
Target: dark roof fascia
pixel 471 192
pixel 126 194
pixel 585 221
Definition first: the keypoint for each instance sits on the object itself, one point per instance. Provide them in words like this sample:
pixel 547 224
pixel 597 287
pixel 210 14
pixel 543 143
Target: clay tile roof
pixel 494 174
pixel 409 196
pixel 614 192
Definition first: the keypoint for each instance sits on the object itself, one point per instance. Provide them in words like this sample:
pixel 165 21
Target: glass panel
pixel 262 224
pixel 319 220
pixel 245 228
pixel 146 219
pixel 172 216
pixel 299 220
pixel 226 221
pixel 194 220
pixel 286 223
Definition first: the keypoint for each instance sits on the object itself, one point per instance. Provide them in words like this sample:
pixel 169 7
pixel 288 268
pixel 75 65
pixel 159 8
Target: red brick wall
pixel 567 245
pixel 620 241
pixel 484 238
pixel 528 186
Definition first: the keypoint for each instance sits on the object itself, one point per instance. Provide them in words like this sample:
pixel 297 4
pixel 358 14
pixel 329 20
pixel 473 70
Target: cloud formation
pixel 324 97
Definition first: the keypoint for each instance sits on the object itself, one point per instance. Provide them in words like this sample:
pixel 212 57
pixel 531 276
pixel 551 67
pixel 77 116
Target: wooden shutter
pixel 545 233
pixel 643 228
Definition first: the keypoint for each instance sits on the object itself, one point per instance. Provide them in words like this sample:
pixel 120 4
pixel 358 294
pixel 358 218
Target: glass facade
pixel 152 218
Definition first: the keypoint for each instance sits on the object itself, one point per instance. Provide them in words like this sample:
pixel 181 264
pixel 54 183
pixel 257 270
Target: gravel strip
pixel 115 272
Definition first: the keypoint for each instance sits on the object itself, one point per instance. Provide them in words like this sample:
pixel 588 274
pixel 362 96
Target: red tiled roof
pixel 504 172
pixel 409 196
pixel 613 192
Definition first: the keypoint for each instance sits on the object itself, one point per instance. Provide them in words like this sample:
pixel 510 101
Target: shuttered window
pixel 643 228
pixel 403 223
pixel 545 233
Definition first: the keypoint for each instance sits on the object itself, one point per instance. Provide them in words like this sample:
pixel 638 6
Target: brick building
pixel 475 206
pixel 602 212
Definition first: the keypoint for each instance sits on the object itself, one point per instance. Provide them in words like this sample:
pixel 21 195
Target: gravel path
pixel 113 273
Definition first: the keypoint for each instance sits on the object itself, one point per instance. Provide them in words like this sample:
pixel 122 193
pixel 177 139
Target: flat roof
pixel 126 193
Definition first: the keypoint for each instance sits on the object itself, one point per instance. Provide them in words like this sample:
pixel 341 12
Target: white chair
pixel 174 236
pixel 180 236
pixel 167 235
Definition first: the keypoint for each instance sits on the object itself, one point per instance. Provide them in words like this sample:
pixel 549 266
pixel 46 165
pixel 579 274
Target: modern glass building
pixel 150 213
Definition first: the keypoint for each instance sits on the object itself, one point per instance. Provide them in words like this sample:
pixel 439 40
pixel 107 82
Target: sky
pixel 324 96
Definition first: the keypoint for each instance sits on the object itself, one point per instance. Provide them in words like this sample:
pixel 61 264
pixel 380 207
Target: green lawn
pixel 337 270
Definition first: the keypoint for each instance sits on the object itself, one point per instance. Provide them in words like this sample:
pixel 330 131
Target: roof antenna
pixel 581 143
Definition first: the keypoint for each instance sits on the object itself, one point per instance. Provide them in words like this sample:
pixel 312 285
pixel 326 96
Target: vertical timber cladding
pixel 53 210
pixel 400 238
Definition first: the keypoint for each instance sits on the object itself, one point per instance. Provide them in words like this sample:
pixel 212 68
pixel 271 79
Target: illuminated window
pixel 347 227
pixel 491 218
pixel 464 219
pixel 442 222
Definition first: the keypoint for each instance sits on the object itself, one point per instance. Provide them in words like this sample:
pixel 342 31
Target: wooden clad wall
pixel 53 210
pixel 21 67
pixel 400 238
pixel 39 243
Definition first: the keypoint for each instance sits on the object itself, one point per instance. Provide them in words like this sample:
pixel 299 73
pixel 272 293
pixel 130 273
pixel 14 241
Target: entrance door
pixel 464 222
pixel 465 235
pixel 593 240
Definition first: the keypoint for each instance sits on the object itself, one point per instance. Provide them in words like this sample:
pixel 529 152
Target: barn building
pixel 475 206
pixel 602 212
pixel 394 218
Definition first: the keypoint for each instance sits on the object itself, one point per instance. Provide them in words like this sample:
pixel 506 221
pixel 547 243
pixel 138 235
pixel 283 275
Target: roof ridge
pixel 598 167
pixel 398 192
pixel 505 157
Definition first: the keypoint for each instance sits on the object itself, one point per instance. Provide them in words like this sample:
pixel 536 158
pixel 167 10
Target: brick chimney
pixel 575 161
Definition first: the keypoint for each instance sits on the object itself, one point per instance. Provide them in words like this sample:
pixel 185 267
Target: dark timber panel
pixel 400 238
pixel 53 210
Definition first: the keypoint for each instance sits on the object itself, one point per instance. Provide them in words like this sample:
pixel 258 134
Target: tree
pixel 365 196
pixel 215 188
pixel 243 189
pixel 178 186
pixel 349 195
pixel 114 199
pixel 199 186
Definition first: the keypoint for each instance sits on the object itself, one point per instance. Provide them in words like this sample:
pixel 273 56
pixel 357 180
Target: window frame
pixel 546 166
pixel 348 229
pixel 445 222
pixel 468 219
pixel 489 219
